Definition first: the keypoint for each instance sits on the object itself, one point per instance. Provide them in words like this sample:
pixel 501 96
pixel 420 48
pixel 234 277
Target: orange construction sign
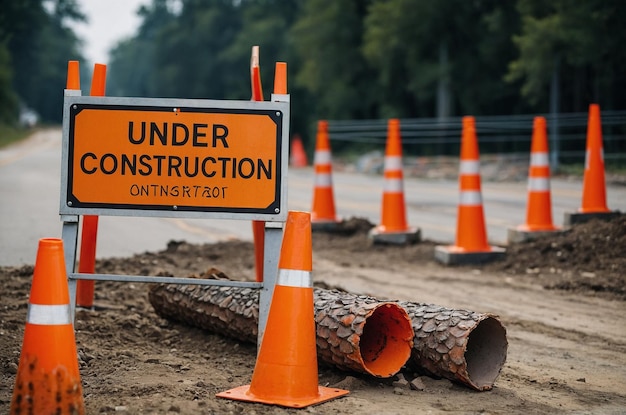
pixel 124 154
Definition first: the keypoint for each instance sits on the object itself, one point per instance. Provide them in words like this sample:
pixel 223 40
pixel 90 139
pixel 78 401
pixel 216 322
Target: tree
pixel 327 38
pixel 421 46
pixel 585 38
pixel 40 44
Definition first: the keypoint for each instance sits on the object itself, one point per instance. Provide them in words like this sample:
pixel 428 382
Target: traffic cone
pixel 285 373
pixel 48 380
pixel 298 155
pixel 539 206
pixel 394 228
pixel 87 262
pixel 323 216
pixel 594 187
pixel 471 233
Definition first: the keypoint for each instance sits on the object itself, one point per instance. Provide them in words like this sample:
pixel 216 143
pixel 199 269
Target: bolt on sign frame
pixel 180 158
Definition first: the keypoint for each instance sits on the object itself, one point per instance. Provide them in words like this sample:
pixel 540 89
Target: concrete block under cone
pixel 573 218
pixel 519 234
pixel 410 236
pixel 453 255
pixel 326 225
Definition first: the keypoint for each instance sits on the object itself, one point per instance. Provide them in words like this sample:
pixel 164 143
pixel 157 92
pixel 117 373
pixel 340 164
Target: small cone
pixel 285 373
pixel 394 227
pixel 594 186
pixel 87 262
pixel 539 207
pixel 323 215
pixel 298 155
pixel 471 233
pixel 48 380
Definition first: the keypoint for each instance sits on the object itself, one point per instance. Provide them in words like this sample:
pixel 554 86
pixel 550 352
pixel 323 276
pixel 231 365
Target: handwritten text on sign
pixel 181 158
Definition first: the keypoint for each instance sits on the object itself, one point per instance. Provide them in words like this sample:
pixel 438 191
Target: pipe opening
pixel 486 352
pixel 387 339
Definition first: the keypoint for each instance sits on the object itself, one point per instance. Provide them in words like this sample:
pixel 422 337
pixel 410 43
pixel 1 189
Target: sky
pixel 108 22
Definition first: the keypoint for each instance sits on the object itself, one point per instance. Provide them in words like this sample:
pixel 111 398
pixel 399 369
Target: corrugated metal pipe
pixel 357 333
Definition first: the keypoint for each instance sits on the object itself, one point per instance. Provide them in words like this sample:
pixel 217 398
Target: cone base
pixel 573 218
pixel 379 235
pixel 525 233
pixel 325 225
pixel 242 394
pixel 455 255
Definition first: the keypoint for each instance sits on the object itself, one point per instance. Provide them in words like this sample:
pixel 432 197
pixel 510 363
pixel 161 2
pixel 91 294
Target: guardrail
pixel 567 133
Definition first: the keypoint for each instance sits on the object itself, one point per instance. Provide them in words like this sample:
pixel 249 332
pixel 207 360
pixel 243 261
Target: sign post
pixel 149 157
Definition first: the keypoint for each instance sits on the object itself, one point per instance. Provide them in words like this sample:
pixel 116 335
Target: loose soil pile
pixel 551 295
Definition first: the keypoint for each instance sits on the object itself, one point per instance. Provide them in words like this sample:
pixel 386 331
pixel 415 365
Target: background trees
pixel 351 59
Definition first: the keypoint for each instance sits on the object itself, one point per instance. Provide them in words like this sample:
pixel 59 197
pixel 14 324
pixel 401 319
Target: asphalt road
pixel 30 174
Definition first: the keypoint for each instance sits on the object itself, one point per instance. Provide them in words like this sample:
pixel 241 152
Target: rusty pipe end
pixel 387 340
pixel 485 353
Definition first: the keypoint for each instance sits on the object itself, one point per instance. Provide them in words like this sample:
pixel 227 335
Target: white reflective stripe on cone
pixel 321 157
pixel 538 184
pixel 539 159
pixel 470 198
pixel 49 315
pixel 294 278
pixel 323 180
pixel 393 186
pixel 393 163
pixel 469 167
pixel 587 156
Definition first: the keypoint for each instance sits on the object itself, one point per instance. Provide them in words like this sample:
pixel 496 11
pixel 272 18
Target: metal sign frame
pixel 274 222
pixel 277 111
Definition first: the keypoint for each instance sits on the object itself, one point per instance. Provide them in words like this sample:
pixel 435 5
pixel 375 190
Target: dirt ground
pixel 561 299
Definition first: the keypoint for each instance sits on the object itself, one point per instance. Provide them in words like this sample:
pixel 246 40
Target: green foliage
pixel 8 99
pixel 349 59
pixel 11 133
pixel 585 39
pixel 39 44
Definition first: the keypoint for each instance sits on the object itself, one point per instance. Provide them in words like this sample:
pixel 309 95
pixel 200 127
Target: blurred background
pixel 353 62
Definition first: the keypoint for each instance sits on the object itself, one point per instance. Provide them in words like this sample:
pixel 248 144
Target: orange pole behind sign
pixel 87 261
pixel 258 227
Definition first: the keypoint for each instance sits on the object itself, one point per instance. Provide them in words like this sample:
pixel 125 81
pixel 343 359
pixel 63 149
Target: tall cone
pixel 285 373
pixel 298 155
pixel 594 186
pixel 539 206
pixel 323 213
pixel 471 232
pixel 87 262
pixel 393 227
pixel 48 380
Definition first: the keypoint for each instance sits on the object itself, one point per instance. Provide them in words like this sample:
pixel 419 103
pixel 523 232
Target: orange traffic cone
pixel 539 206
pixel 594 186
pixel 298 155
pixel 394 228
pixel 323 216
pixel 87 262
pixel 285 373
pixel 471 233
pixel 48 380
